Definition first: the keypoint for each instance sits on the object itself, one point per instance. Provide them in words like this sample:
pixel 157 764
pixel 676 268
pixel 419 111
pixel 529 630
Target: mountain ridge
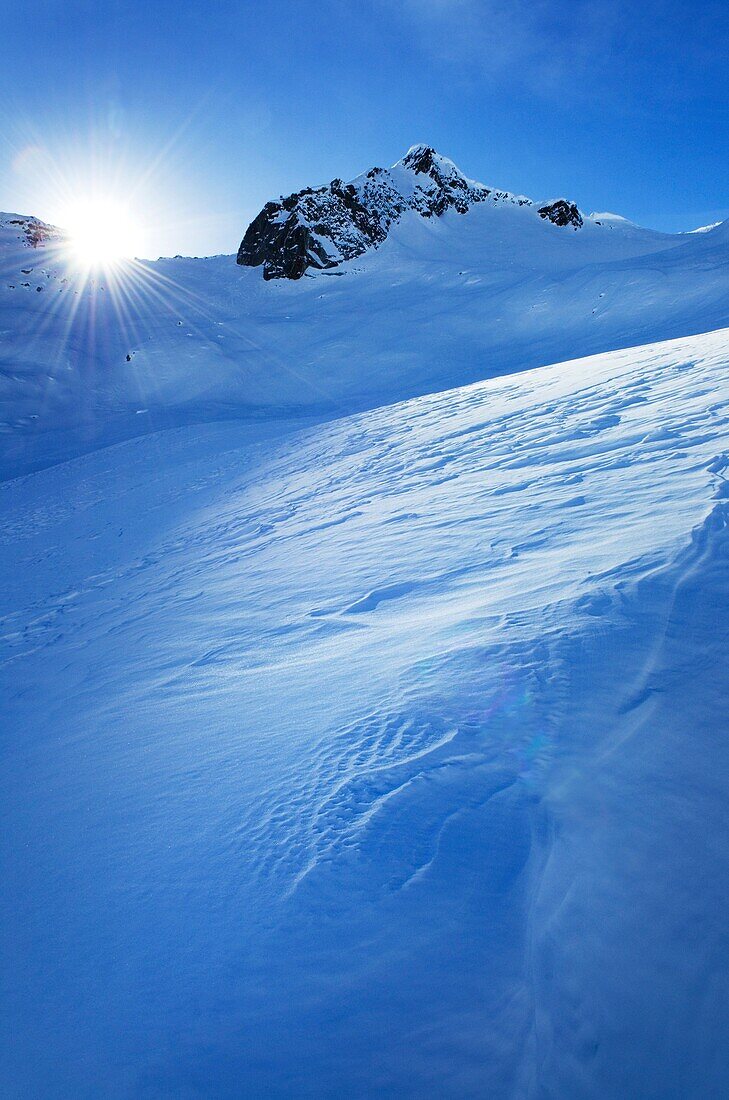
pixel 322 227
pixel 94 356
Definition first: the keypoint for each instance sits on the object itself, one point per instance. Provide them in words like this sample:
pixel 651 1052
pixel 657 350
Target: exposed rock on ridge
pixel 321 227
pixel 562 213
pixel 35 232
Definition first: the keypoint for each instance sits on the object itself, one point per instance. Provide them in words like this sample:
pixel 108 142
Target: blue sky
pixel 197 113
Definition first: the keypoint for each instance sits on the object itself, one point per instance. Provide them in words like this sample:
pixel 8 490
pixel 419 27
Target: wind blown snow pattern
pixel 381 750
pixel 389 758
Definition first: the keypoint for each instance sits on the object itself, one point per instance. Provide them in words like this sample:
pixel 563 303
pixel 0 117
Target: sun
pixel 101 232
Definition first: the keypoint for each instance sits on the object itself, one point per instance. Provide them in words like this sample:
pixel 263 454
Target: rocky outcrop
pixel 321 227
pixel 36 232
pixel 562 213
pixel 315 228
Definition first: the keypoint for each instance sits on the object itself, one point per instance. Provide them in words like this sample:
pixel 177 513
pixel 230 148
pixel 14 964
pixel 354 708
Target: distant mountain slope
pixel 442 301
pixel 24 231
pixel 321 227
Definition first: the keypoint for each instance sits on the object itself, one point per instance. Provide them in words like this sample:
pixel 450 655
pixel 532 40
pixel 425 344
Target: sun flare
pixel 101 232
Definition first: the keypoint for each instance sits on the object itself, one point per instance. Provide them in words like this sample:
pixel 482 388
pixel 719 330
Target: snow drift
pixel 385 758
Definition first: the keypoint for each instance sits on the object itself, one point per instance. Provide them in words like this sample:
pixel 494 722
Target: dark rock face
pixel 562 213
pixel 314 228
pixel 321 227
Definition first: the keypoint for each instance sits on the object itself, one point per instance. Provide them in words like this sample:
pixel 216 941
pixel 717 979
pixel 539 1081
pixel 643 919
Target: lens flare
pixel 101 232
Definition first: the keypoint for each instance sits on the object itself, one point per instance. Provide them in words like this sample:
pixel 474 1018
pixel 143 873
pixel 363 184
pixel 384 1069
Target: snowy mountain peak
pixel 324 226
pixel 423 159
pixel 418 151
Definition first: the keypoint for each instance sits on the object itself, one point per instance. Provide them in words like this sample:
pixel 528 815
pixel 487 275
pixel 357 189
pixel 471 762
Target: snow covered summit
pixel 320 227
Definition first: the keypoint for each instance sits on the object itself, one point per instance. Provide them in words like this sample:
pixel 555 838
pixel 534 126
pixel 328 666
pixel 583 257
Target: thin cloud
pixel 543 45
pixel 554 48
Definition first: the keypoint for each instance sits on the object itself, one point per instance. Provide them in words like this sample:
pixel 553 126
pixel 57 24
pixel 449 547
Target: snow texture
pixel 365 736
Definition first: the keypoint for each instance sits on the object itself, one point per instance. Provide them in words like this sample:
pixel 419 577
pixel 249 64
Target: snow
pixel 705 228
pixel 362 679
pixel 374 759
pixel 443 302
pixel 606 216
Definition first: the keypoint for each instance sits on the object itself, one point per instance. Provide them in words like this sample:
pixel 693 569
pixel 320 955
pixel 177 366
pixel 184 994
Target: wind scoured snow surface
pixel 384 758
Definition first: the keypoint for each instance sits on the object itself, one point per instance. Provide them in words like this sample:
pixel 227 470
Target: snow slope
pixel 442 302
pixel 386 756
